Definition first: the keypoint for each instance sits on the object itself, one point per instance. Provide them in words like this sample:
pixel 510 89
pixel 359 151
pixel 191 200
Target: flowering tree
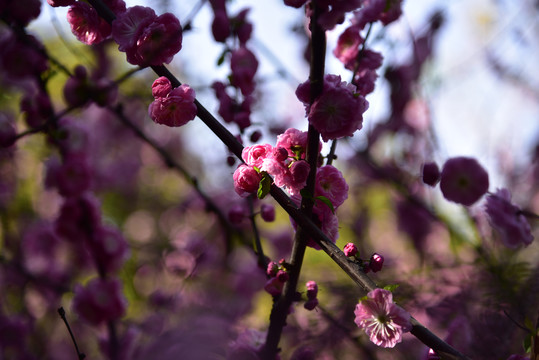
pixel 105 223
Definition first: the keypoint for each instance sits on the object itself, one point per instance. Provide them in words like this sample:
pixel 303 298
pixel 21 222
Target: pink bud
pixel 350 249
pixel 376 262
pixel 312 289
pixel 246 180
pixel 272 269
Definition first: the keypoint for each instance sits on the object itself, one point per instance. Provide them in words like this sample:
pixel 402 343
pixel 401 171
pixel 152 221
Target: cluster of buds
pixel 374 264
pixel 278 276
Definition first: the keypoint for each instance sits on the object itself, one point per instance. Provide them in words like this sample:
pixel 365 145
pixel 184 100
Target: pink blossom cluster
pixel 383 321
pixel 243 64
pixel 507 219
pixel 331 186
pixel 86 24
pixel 278 275
pixel 172 107
pixel 284 163
pixel 338 111
pixel 147 39
pixel 351 49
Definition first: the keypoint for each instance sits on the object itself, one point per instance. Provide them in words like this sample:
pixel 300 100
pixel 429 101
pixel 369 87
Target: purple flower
pixel 331 184
pixel 243 64
pixel 506 218
pixel 101 300
pixel 381 319
pixel 463 180
pixel 146 38
pixel 86 24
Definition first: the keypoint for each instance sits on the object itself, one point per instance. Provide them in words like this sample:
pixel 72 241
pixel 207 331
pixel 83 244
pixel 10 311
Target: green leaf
pixel 264 187
pixel 326 201
pixel 221 58
pixel 391 287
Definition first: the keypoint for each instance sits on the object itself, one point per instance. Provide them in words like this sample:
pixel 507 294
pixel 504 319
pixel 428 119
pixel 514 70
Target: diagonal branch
pixel 352 269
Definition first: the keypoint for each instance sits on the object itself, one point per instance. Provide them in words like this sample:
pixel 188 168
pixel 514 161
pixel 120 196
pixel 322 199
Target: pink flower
pixel 127 27
pixel 383 321
pixel 348 45
pixel 161 87
pixel 158 42
pixel 86 24
pixel 243 64
pixel 463 180
pixel 506 218
pixel 101 300
pixel 294 141
pixel 338 111
pixel 278 170
pixel 256 154
pixel 176 109
pixel 350 249
pixel 246 180
pixel 331 184
pixel 300 171
pixel 146 38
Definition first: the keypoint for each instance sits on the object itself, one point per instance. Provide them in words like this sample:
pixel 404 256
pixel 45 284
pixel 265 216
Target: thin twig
pixel 62 313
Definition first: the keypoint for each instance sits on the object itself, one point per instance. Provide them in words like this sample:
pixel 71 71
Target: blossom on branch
pixel 176 108
pixel 146 38
pixel 338 111
pixel 382 320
